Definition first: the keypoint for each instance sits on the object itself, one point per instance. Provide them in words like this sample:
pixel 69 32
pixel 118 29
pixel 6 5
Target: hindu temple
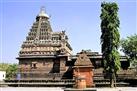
pixel 47 55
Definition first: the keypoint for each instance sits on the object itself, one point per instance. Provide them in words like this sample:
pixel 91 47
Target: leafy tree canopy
pixel 110 37
pixel 11 69
pixel 129 47
pixel 3 66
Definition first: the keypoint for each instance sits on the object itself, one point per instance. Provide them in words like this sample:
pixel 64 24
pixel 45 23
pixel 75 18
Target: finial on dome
pixel 42 9
pixel 42 12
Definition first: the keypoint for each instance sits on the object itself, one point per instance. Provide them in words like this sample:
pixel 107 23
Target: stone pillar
pixel 81 82
pixel 85 74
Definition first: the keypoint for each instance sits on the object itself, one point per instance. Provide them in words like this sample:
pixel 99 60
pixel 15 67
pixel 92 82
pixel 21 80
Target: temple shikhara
pixel 47 55
pixel 44 50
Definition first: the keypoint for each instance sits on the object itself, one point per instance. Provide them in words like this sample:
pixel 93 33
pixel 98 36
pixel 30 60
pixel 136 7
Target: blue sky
pixel 79 18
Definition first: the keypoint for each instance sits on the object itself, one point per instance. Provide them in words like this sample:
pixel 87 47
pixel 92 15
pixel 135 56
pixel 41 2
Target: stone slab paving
pixel 118 89
pixel 30 89
pixel 61 89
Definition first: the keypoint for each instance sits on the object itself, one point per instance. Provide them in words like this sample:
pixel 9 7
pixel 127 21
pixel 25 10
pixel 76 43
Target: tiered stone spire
pixel 41 40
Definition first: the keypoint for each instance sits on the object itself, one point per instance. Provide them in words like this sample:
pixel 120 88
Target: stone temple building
pixel 46 55
pixel 44 51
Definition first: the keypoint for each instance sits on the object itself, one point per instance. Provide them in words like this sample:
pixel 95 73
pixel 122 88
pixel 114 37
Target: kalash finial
pixel 42 12
pixel 42 9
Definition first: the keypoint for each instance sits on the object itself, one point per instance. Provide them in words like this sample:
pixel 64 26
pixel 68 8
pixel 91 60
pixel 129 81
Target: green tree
pixel 110 39
pixel 129 47
pixel 11 71
pixel 4 66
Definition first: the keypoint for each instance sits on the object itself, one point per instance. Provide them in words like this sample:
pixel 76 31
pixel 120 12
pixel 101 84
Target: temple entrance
pixel 56 66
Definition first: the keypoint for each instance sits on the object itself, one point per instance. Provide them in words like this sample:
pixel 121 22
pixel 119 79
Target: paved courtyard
pixel 61 89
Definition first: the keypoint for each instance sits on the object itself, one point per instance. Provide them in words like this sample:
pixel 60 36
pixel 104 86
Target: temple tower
pixel 43 51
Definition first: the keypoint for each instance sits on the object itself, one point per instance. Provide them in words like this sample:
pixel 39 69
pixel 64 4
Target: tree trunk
pixel 115 80
pixel 112 80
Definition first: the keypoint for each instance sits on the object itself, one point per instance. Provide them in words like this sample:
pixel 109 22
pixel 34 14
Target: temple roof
pixel 83 60
pixel 42 40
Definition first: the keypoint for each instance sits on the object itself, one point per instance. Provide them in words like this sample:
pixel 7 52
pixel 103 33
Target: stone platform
pixel 86 89
pixel 61 89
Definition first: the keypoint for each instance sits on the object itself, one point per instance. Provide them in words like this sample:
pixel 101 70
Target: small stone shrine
pixel 82 71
